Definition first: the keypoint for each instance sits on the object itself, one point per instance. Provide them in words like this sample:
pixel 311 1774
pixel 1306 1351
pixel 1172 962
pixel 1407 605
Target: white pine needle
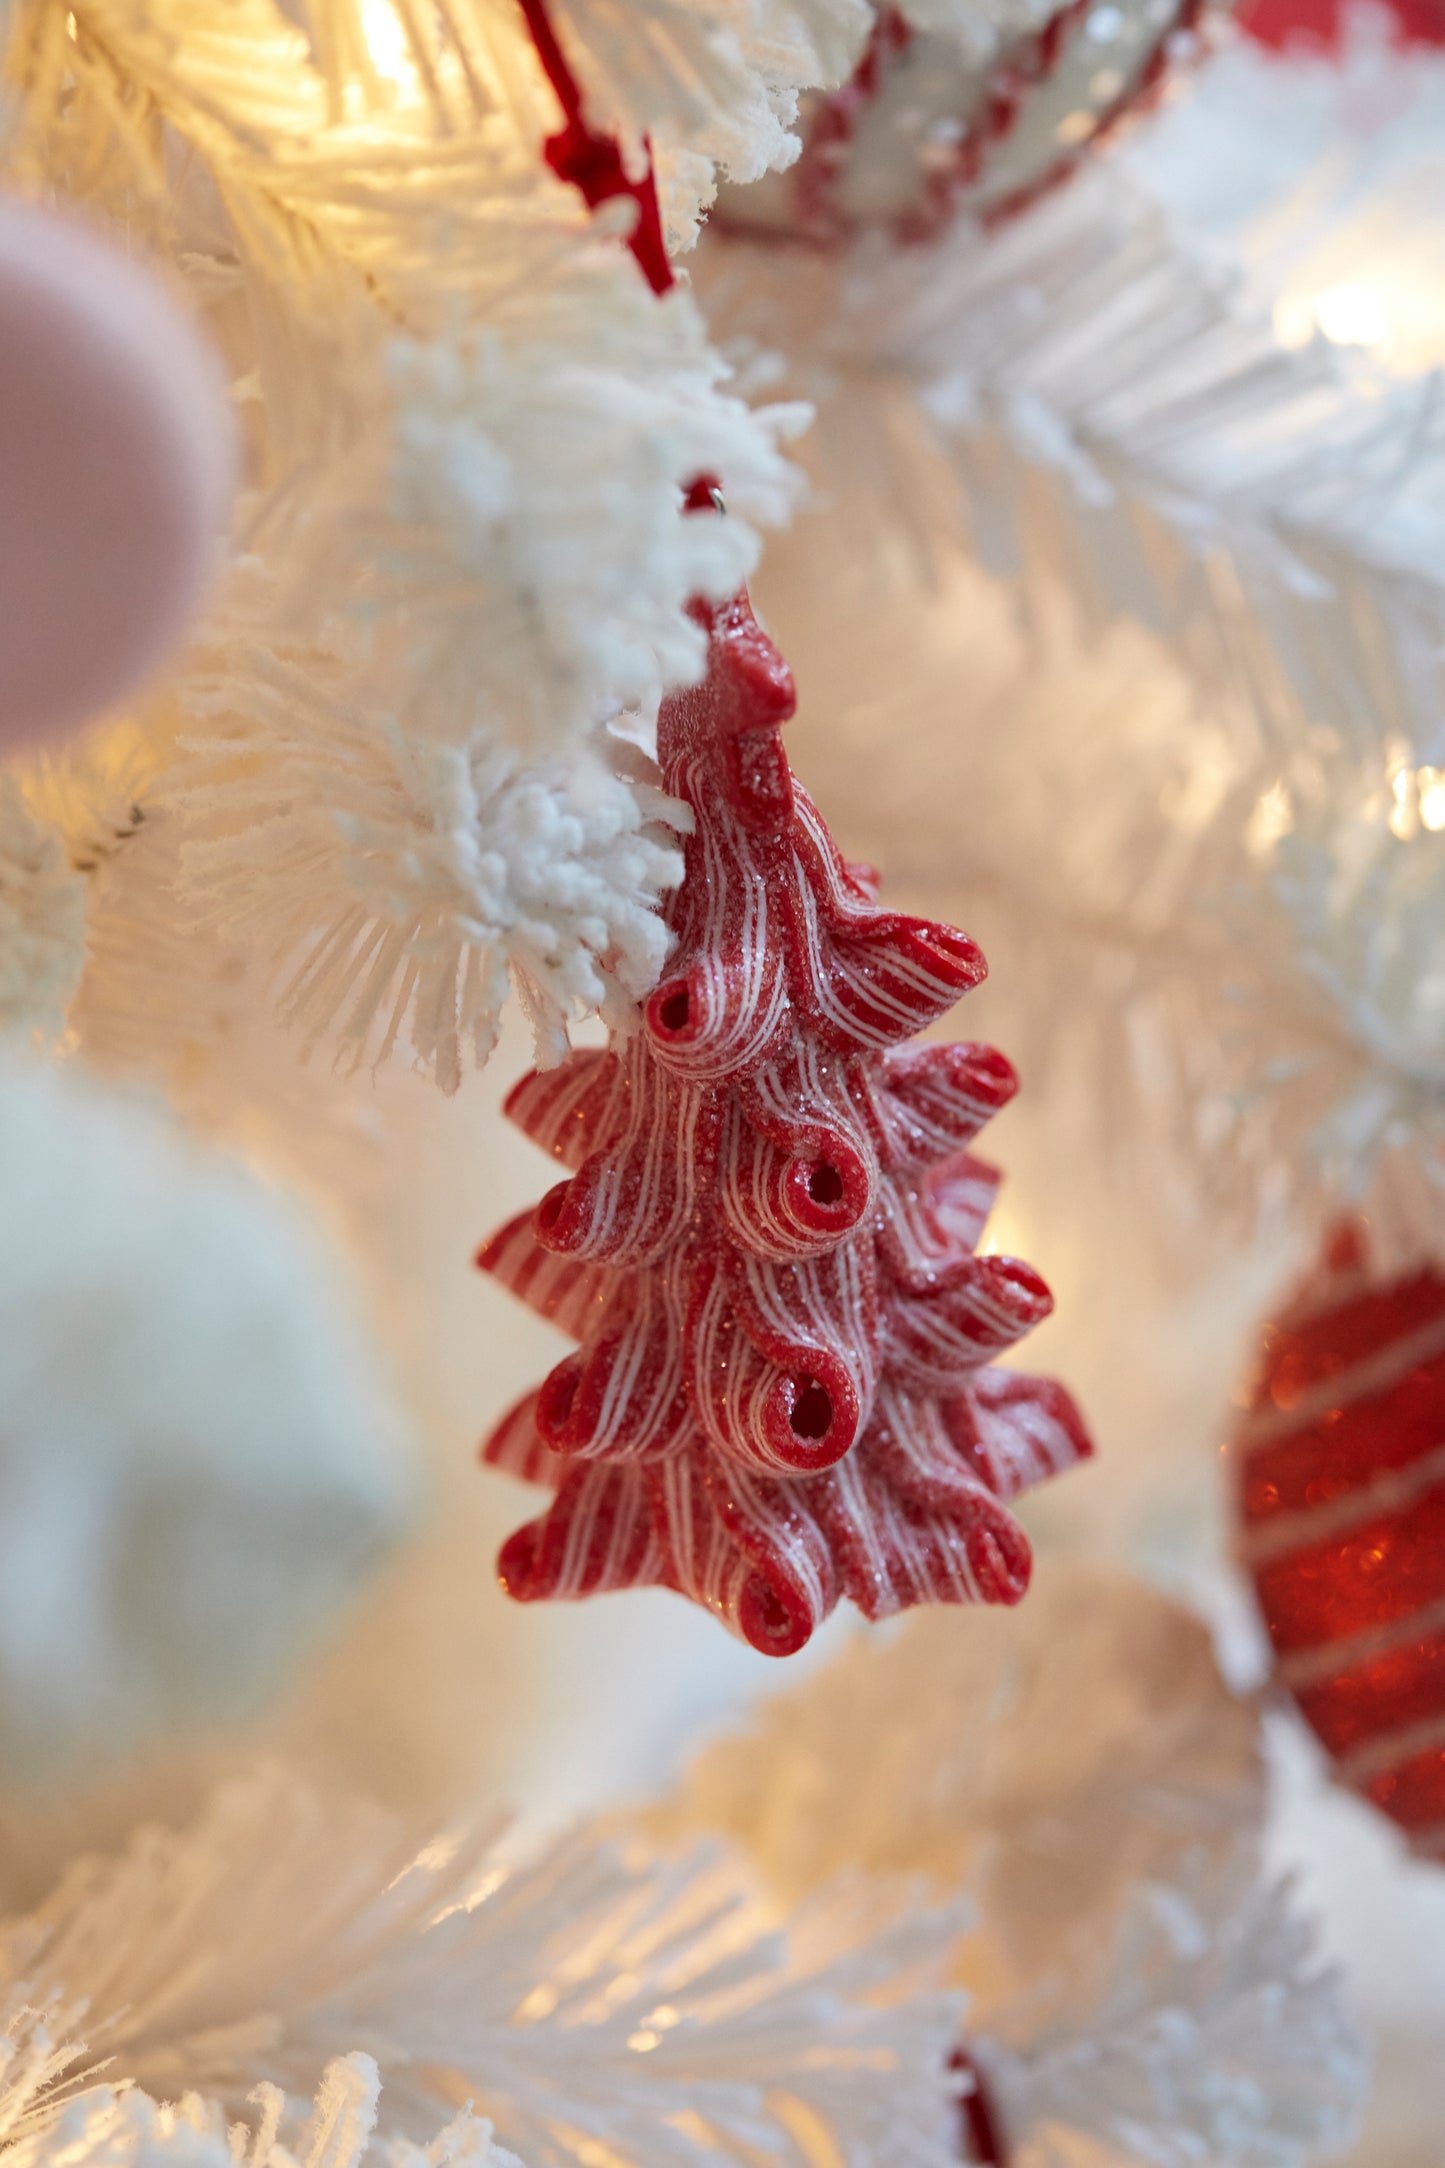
pixel 588 1996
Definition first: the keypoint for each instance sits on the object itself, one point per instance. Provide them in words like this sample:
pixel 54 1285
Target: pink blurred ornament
pixel 116 470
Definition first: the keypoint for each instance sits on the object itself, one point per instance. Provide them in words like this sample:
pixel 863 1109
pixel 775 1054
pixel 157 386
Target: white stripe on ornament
pixel 1388 1492
pixel 1392 1750
pixel 1307 1667
pixel 1361 1381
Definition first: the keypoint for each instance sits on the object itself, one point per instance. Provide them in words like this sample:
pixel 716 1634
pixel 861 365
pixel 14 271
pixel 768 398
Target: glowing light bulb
pixel 386 41
pixel 1352 315
pixel 1402 812
pixel 1432 798
pixel 1272 818
pixel 1294 321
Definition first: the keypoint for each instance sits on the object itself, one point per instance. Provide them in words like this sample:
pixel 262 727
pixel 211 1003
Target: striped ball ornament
pixel 974 113
pixel 1341 1489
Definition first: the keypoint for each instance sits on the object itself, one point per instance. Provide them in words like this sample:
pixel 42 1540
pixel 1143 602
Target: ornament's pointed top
pixel 735 714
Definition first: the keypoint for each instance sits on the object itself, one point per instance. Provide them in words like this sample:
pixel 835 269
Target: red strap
pixel 592 162
pixel 982 2137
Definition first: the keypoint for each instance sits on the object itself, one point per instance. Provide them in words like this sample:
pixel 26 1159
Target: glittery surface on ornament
pixel 782 1393
pixel 1341 1487
pixel 932 126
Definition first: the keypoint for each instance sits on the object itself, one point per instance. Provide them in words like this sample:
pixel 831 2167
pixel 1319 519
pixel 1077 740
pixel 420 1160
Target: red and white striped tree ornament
pixel 1340 1470
pixel 784 1392
pixel 964 115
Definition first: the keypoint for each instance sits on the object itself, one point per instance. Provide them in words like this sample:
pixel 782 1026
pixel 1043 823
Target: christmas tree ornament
pixel 957 113
pixel 116 461
pixel 783 1393
pixel 1341 1490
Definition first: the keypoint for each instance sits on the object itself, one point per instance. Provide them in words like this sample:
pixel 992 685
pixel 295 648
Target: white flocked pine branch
pixel 596 1993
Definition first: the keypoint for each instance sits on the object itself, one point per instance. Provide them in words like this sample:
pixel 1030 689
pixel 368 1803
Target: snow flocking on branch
pixel 1139 1985
pixel 406 878
pixel 515 510
pixel 594 1994
pixel 1208 2032
pixel 110 2127
pixel 477 427
pixel 713 87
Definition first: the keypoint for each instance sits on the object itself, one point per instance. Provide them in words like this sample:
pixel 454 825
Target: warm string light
pixel 386 42
pixel 390 60
pixel 1394 317
pixel 1349 314
pixel 1418 799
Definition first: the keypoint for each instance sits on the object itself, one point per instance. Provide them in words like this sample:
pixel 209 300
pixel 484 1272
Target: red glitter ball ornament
pixel 782 1394
pixel 1341 1486
pixel 931 125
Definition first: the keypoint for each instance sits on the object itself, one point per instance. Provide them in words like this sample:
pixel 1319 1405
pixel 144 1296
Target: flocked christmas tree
pixel 782 1394
pixel 1189 405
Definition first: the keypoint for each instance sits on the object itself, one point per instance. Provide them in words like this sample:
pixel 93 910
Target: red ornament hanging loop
pixel 592 161
pixel 982 2131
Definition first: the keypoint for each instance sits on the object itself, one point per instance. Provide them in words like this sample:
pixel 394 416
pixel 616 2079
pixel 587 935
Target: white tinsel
pixel 38 2052
pixel 402 880
pixel 584 1998
pixel 198 1460
pixel 42 921
pixel 1051 1759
